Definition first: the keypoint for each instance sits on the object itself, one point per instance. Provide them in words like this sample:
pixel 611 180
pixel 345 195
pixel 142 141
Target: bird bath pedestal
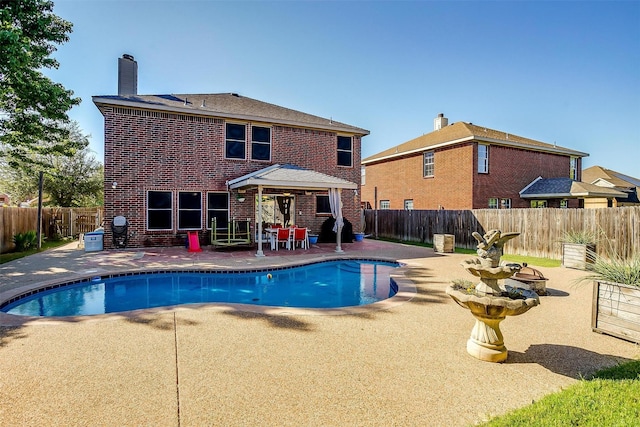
pixel 489 302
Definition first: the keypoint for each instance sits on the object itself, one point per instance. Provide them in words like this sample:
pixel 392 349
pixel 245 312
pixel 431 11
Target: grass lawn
pixel 533 261
pixel 10 256
pixel 610 398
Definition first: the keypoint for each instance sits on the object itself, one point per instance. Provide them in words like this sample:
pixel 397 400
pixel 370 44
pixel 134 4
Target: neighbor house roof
pixel 563 188
pixel 290 177
pixel 602 176
pixel 227 106
pixel 462 132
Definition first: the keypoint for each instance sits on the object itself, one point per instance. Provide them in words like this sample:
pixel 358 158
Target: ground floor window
pixel 322 205
pixel 408 204
pixel 159 210
pixel 385 204
pixel 493 203
pixel 218 208
pixel 538 203
pixel 564 203
pixel 505 203
pixel 189 210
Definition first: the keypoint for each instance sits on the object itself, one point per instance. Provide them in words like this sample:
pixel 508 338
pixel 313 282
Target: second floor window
pixel 429 164
pixel 235 144
pixel 345 151
pixel 483 158
pixel 260 143
pixel 573 168
pixel 363 176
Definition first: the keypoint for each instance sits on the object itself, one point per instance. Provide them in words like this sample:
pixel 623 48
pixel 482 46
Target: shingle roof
pixel 460 132
pixel 564 188
pixel 290 176
pixel 595 173
pixel 230 106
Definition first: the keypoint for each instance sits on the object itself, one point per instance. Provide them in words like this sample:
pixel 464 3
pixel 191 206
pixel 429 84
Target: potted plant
pixel 577 248
pixel 313 239
pixel 616 296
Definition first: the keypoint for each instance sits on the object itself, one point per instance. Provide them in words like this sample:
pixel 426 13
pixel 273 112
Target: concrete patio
pixel 404 365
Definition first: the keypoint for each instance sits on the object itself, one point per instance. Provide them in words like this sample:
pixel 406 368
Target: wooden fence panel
pixel 61 222
pixel 540 230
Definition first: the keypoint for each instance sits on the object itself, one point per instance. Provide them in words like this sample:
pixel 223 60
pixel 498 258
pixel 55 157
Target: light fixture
pixel 114 185
pixel 240 197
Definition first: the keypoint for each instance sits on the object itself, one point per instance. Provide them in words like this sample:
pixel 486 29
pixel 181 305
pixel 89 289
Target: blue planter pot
pixel 313 239
pixel 359 237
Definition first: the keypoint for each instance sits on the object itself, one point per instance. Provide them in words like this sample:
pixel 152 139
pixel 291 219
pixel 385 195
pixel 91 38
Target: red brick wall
pixel 456 183
pixel 401 179
pixel 160 151
pixel 511 170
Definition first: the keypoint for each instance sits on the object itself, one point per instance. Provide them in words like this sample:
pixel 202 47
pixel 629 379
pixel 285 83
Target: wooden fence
pixel 56 222
pixel 540 229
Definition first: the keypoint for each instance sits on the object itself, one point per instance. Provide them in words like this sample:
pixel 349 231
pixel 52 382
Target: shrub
pixel 614 270
pixel 582 237
pixel 25 241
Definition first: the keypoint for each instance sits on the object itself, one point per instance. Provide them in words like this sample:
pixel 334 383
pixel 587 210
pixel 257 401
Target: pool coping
pixel 406 291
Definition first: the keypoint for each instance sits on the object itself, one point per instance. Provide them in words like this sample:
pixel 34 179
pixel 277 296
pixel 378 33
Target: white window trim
pixel 238 140
pixel 344 151
pixel 167 209
pixel 262 143
pixel 179 210
pixel 492 205
pixel 208 226
pixel 431 155
pixel 483 162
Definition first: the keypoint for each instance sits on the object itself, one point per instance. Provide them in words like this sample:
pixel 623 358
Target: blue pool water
pixel 328 284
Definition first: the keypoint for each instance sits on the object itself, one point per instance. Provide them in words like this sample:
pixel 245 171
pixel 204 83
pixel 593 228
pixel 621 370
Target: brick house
pixel 170 159
pixel 607 178
pixel 466 166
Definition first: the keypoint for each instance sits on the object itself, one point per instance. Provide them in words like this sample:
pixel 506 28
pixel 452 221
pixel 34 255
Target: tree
pixel 69 181
pixel 33 108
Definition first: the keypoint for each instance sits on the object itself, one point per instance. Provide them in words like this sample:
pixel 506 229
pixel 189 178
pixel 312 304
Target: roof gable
pixel 461 132
pixel 595 174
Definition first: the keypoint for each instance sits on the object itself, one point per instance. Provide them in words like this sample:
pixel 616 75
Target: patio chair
pixel 284 235
pixel 301 236
pixel 119 229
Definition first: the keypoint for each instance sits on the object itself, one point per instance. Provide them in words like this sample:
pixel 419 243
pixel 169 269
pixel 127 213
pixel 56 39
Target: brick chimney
pixel 440 122
pixel 127 75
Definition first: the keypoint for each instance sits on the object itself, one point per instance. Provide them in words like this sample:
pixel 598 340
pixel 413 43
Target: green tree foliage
pixel 33 108
pixel 68 182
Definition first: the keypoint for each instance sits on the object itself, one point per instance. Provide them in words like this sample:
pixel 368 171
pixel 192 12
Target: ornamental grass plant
pixel 614 269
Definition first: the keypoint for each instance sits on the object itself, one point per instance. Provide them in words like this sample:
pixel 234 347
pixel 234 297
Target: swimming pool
pixel 329 284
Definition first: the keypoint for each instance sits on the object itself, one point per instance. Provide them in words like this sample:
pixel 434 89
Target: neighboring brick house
pixel 607 178
pixel 169 160
pixel 466 166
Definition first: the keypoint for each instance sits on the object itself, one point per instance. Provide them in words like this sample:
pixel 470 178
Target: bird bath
pixel 490 302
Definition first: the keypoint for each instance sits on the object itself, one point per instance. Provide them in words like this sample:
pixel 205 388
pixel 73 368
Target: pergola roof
pixel 290 177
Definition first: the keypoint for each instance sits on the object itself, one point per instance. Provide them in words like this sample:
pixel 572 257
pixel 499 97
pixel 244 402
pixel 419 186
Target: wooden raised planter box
pixel 616 310
pixel 444 243
pixel 576 255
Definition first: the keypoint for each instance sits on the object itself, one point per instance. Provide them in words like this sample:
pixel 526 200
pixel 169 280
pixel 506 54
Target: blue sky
pixel 558 72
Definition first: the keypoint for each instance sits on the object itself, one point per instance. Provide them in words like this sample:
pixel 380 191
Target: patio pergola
pixel 291 177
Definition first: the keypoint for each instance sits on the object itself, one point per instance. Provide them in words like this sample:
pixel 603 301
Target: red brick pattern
pixel 148 150
pixel 456 184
